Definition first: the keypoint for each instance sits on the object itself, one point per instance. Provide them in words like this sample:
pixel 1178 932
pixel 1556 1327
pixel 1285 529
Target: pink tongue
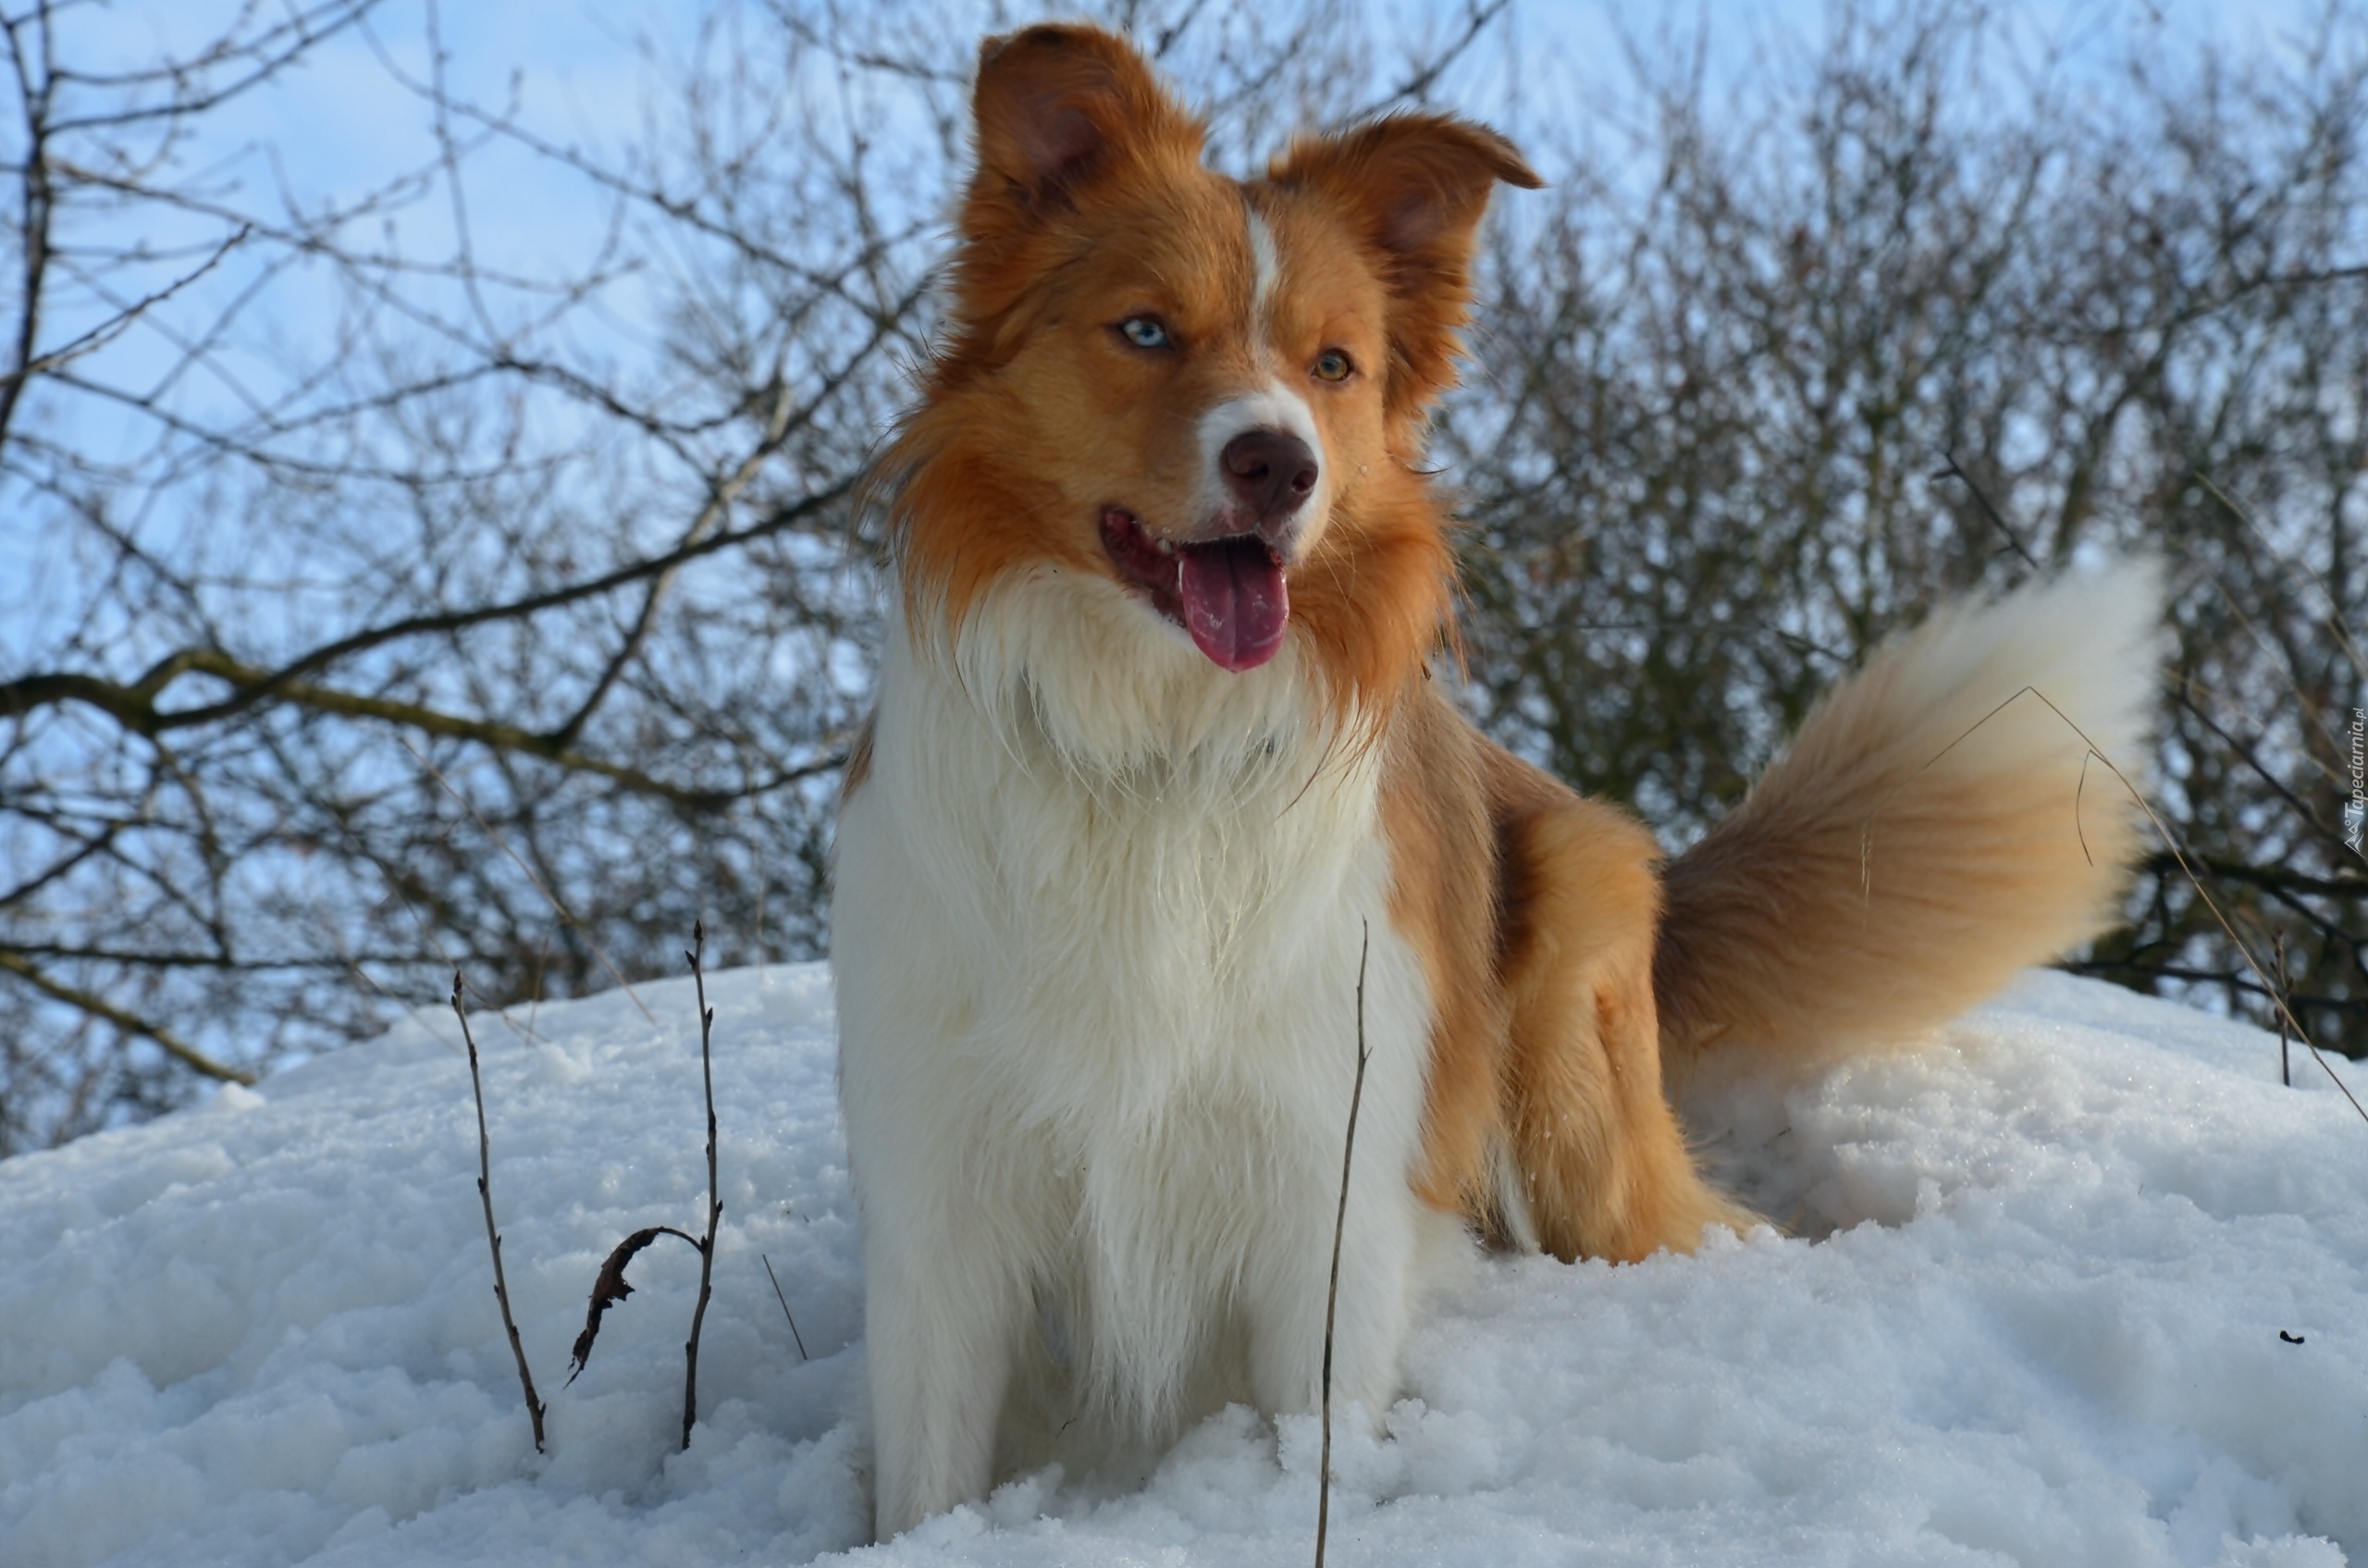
pixel 1235 603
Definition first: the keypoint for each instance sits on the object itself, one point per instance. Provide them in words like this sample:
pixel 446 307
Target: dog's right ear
pixel 1057 109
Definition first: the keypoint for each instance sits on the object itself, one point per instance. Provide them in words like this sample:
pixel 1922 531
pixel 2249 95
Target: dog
pixel 1165 812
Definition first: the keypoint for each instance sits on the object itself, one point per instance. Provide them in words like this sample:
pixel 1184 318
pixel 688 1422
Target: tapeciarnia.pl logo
pixel 2355 810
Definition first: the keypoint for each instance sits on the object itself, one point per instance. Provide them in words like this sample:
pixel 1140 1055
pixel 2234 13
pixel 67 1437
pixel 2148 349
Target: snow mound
pixel 2041 1306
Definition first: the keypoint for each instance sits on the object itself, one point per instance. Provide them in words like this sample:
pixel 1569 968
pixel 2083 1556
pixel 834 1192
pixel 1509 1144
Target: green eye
pixel 1333 366
pixel 1146 332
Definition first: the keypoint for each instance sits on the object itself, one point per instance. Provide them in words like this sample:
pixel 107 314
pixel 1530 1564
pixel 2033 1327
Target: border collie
pixel 1166 806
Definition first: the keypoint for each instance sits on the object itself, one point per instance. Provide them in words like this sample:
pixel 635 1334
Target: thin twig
pixel 532 881
pixel 180 1050
pixel 1340 1228
pixel 1476 18
pixel 134 706
pixel 99 337
pixel 714 1201
pixel 2170 842
pixel 492 1236
pixel 27 692
pixel 2336 620
pixel 2284 1035
pixel 1954 472
pixel 784 1308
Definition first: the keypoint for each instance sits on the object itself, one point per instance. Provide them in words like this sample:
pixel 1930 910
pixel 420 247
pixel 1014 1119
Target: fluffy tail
pixel 1938 825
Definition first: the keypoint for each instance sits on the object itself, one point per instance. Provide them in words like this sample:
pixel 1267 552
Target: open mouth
pixel 1227 593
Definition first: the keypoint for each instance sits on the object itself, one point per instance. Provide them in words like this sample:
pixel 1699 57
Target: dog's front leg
pixel 949 1226
pixel 941 1316
pixel 1290 1282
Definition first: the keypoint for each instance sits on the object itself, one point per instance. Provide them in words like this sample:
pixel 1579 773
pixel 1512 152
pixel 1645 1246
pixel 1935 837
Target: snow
pixel 2030 1311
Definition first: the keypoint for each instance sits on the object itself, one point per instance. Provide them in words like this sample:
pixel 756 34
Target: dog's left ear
pixel 1415 188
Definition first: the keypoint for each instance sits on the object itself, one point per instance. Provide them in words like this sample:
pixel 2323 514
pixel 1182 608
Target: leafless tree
pixel 441 628
pixel 381 596
pixel 382 600
pixel 1931 312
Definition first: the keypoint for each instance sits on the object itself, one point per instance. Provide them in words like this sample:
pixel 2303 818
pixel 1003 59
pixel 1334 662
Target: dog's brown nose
pixel 1272 471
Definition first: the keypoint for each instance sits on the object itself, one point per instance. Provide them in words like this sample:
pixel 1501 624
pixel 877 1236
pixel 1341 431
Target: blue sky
pixel 588 74
pixel 583 72
pixel 582 69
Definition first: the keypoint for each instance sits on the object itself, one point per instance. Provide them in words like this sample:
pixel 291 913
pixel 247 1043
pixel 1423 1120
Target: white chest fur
pixel 1097 937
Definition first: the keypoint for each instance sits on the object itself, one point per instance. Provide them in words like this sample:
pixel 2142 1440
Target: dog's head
pixel 1207 393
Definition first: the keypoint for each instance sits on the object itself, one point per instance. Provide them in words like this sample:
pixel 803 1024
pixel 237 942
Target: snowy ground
pixel 2032 1314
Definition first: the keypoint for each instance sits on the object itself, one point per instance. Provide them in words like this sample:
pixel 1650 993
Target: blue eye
pixel 1146 332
